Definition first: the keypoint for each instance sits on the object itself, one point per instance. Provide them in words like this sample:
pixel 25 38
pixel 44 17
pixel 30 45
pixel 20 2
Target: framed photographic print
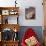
pixel 30 13
pixel 5 12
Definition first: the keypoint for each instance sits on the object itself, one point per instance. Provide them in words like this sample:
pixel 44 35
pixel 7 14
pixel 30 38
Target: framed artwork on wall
pixel 30 13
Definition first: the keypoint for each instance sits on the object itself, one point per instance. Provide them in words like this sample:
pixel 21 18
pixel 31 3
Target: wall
pixel 39 13
pixel 38 21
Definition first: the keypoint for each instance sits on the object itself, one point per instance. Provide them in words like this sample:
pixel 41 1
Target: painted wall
pixel 39 13
pixel 38 21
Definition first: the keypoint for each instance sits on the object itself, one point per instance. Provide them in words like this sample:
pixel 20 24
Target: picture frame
pixel 30 13
pixel 5 12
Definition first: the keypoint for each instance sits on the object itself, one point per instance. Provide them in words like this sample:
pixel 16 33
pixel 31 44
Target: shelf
pixel 10 19
pixel 10 26
pixel 11 41
pixel 9 10
pixel 6 12
pixel 2 8
pixel 7 23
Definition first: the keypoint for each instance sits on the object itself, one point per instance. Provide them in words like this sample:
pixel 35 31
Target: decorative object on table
pixel 30 38
pixel 30 13
pixel 13 12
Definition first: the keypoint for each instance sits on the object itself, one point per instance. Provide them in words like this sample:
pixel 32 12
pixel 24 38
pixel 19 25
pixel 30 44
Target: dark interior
pixel 9 35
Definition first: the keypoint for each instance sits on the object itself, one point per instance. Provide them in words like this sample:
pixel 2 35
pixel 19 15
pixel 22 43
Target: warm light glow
pixel 12 10
pixel 15 30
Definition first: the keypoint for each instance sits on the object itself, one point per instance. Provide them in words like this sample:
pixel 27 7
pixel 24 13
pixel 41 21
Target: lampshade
pixel 15 30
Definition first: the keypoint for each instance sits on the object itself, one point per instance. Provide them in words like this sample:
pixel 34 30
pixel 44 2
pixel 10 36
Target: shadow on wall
pixel 37 29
